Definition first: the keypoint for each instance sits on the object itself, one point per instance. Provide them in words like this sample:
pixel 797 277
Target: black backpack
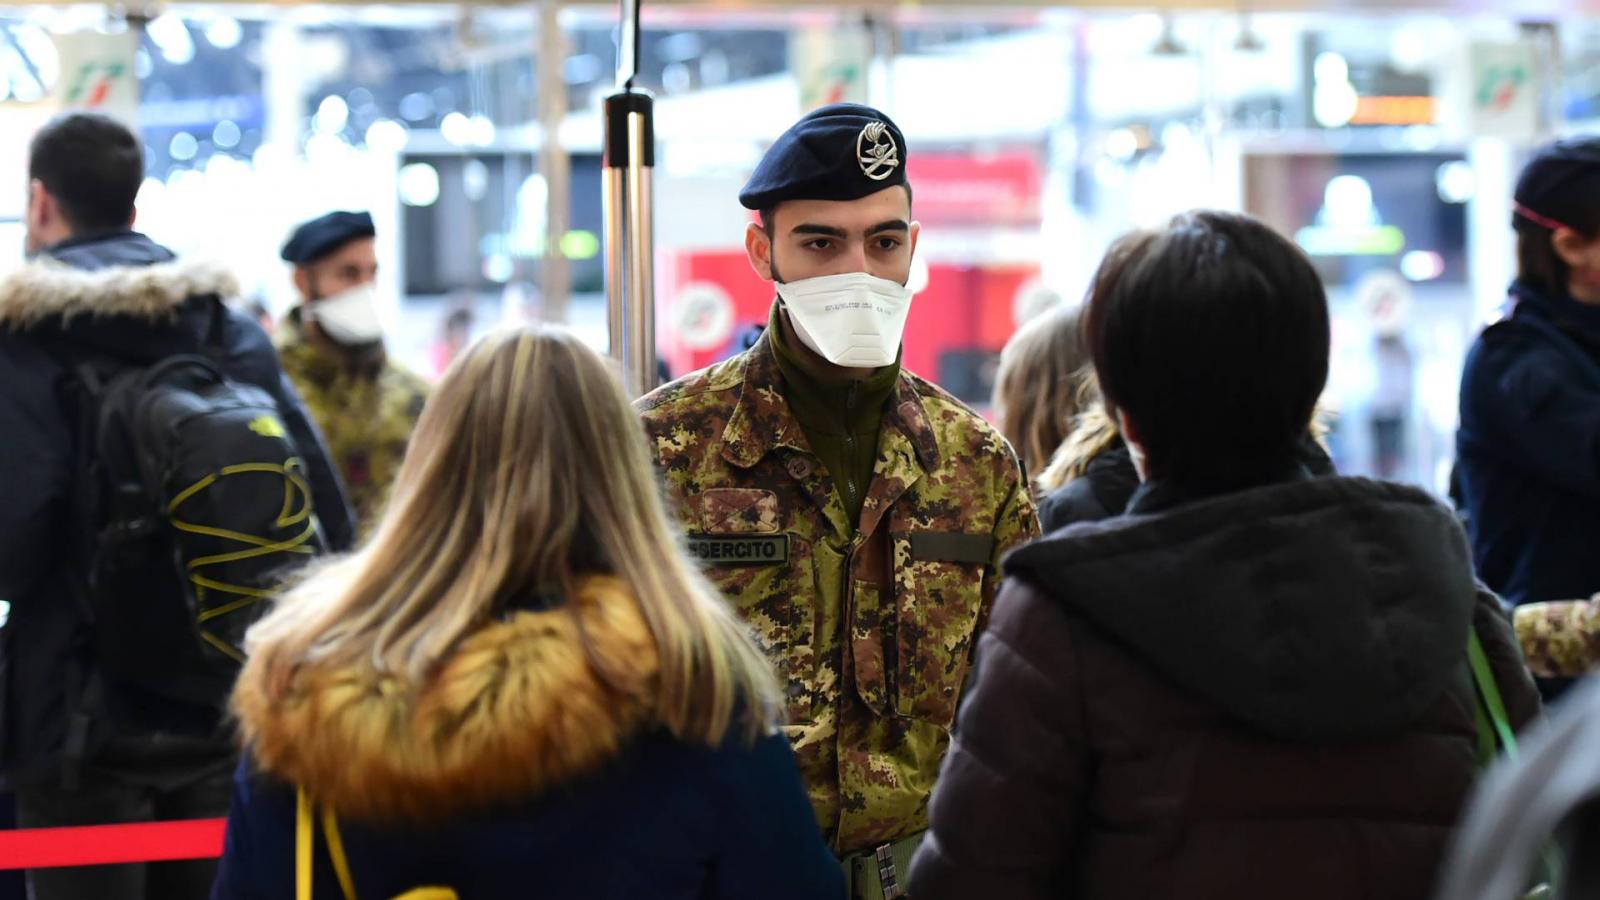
pixel 193 505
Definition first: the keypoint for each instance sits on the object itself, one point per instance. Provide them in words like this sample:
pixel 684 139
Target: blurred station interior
pixel 1382 137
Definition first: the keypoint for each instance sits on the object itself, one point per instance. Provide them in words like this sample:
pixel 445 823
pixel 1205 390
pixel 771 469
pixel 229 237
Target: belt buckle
pixel 887 877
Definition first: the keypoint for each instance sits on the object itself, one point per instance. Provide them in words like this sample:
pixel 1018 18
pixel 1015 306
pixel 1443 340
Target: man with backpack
pixel 160 478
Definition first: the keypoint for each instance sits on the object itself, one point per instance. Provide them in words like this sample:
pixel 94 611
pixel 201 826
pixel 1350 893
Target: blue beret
pixel 840 152
pixel 322 236
pixel 1561 185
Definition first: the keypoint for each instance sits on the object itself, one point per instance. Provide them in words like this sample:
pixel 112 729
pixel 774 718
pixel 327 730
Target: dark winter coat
pixel 123 296
pixel 1529 450
pixel 1263 694
pixel 1102 491
pixel 517 771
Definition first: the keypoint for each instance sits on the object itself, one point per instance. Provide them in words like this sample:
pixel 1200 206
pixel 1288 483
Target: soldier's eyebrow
pixel 825 230
pixel 891 225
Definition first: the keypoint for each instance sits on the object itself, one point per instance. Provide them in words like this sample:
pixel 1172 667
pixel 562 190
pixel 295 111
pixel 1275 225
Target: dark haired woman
pixel 1529 445
pixel 1255 684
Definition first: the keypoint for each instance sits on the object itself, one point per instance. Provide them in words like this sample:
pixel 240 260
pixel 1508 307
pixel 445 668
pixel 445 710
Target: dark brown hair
pixel 93 166
pixel 1211 335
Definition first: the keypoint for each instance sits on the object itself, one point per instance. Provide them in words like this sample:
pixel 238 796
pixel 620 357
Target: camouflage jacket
pixel 871 624
pixel 1560 639
pixel 366 414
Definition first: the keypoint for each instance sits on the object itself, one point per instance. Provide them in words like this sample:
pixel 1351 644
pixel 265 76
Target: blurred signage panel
pixel 97 72
pixel 242 110
pixel 1357 213
pixel 831 65
pixel 988 189
pixel 1393 111
pixel 1504 90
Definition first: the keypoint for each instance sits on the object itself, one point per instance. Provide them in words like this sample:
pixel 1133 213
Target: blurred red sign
pixel 977 189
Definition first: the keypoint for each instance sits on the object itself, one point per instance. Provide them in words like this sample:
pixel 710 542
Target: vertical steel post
pixel 555 273
pixel 630 227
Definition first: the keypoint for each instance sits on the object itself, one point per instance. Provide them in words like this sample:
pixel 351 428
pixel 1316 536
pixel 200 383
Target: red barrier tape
pixel 99 845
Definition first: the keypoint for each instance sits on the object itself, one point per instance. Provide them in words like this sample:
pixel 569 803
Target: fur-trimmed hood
pixel 518 708
pixel 120 274
pixel 50 288
pixel 123 296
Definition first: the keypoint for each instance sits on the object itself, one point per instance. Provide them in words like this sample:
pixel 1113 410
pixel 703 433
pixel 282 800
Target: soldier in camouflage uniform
pixel 332 349
pixel 1560 639
pixel 853 513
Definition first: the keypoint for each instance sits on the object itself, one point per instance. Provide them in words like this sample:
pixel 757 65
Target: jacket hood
pixel 125 275
pixel 1316 609
pixel 119 295
pixel 516 710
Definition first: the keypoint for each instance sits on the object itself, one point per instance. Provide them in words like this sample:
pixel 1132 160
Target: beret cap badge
pixel 876 151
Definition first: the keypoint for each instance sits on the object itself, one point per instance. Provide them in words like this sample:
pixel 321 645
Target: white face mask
pixel 853 320
pixel 349 317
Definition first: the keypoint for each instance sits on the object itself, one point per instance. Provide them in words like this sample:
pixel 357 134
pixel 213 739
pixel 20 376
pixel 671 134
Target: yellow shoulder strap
pixel 303 837
pixel 341 863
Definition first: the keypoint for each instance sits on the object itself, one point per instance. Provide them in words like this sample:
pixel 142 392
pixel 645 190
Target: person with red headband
pixel 1529 442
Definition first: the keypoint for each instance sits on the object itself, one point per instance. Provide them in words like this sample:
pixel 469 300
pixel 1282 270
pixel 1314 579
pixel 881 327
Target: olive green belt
pixel 880 873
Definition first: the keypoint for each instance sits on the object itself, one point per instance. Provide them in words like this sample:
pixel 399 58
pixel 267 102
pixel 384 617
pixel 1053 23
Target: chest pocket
pixel 938 594
pixel 767 575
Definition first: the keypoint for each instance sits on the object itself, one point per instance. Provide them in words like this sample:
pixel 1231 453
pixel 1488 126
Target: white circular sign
pixel 703 316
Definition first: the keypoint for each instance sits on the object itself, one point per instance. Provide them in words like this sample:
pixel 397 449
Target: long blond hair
pixel 1094 432
pixel 1037 387
pixel 528 470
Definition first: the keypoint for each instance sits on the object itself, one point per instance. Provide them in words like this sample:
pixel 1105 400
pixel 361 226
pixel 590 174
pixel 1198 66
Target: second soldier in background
pixel 332 348
pixel 853 513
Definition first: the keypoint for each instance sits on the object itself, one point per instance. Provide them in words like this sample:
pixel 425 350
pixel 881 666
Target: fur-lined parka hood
pixel 517 709
pixel 123 275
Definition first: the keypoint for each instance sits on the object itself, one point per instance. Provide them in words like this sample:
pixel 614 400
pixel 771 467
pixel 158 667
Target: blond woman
pixel 1038 389
pixel 519 687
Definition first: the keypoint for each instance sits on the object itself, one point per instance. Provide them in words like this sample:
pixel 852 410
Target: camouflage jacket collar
pixel 762 421
pixel 324 365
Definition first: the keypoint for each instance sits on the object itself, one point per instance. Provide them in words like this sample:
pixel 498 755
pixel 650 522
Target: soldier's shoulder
pixel 945 409
pixel 964 434
pixel 709 388
pixel 293 355
pixel 400 378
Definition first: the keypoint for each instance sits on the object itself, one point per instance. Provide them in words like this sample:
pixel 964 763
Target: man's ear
pixel 758 248
pixel 1130 436
pixel 916 232
pixel 302 281
pixel 41 206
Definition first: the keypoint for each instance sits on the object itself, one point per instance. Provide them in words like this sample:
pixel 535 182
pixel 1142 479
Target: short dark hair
pixel 1211 335
pixel 92 165
pixel 767 213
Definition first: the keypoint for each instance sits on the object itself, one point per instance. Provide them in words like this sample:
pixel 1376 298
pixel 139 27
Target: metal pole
pixel 555 274
pixel 614 195
pixel 629 159
pixel 641 362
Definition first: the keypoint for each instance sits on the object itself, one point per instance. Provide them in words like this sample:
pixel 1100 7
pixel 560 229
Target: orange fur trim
pixel 517 709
